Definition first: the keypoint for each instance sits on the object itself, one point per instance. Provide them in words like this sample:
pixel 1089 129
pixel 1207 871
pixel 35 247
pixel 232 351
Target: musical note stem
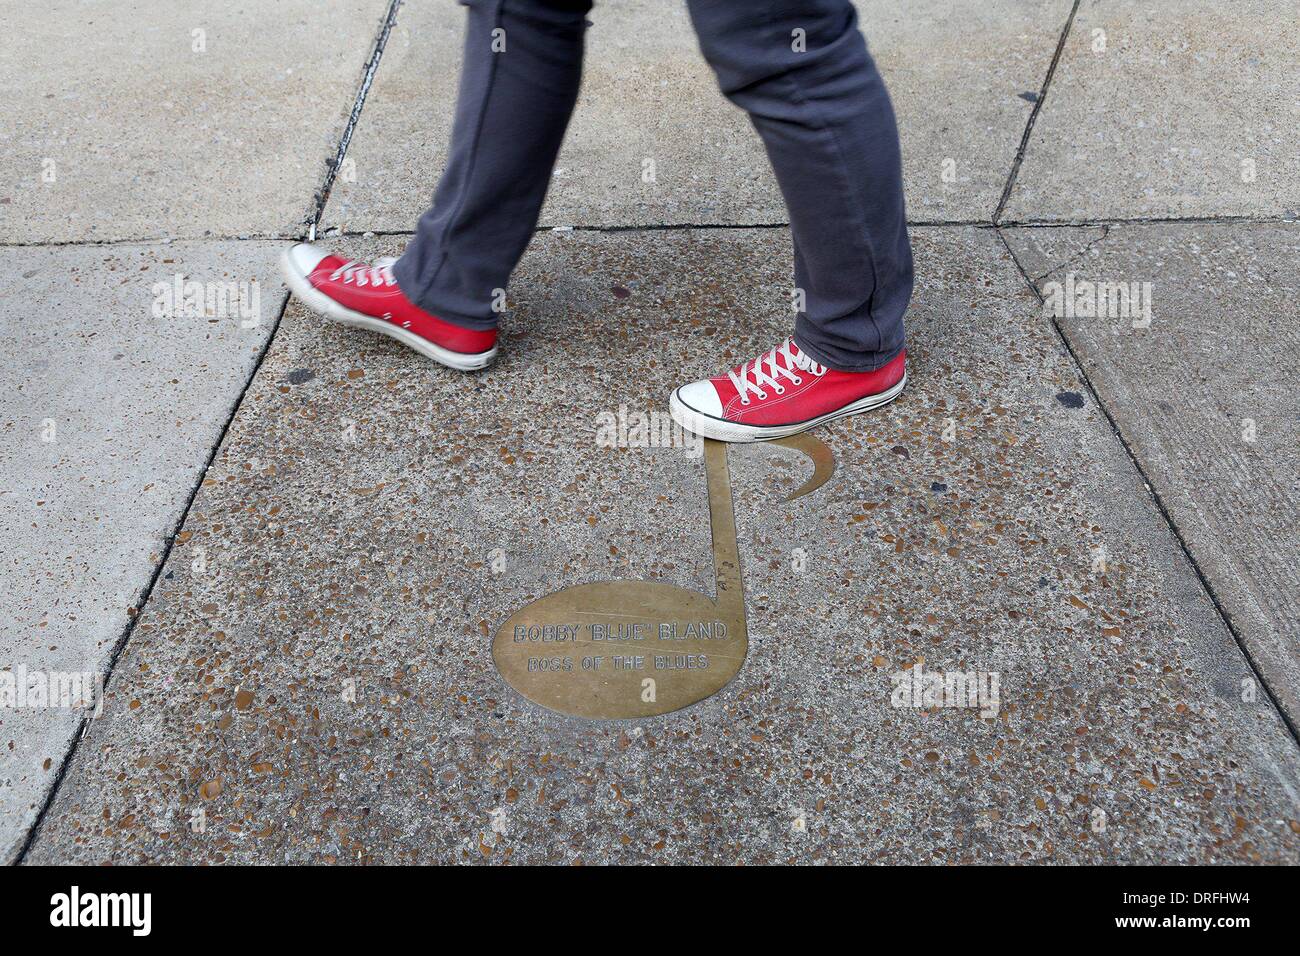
pixel 722 518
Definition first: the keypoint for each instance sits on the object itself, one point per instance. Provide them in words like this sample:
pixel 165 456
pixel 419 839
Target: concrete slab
pixel 1168 110
pixel 1206 395
pixel 112 402
pixel 327 694
pixel 143 119
pixel 962 84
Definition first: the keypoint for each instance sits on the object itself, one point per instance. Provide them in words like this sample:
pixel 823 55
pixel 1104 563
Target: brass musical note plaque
pixel 613 649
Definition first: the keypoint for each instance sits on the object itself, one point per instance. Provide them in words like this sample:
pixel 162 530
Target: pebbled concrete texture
pixel 325 691
pixel 1206 395
pixel 146 119
pixel 962 84
pixel 1168 110
pixel 109 411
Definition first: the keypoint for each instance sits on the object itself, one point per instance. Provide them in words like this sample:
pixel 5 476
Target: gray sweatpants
pixel 802 71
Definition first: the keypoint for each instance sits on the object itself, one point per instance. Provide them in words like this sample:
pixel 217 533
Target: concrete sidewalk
pixel 284 545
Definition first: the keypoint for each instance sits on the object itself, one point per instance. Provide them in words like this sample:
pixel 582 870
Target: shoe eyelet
pixel 762 396
pixel 798 381
pixel 744 401
pixel 780 390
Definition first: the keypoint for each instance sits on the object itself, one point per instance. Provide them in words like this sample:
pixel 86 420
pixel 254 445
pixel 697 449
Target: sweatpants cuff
pixel 869 362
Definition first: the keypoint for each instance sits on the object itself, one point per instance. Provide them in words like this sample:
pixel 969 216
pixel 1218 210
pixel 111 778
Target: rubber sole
pixel 709 427
pixel 320 302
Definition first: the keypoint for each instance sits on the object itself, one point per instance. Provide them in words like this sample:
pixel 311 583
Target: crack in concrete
pixel 1105 231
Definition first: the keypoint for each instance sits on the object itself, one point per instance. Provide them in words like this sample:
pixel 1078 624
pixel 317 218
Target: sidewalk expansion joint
pixel 367 78
pixel 119 646
pixel 668 227
pixel 1160 504
pixel 1033 114
pixel 1147 221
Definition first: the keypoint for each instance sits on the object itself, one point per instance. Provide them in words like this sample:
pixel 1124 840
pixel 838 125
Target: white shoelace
pixel 752 376
pixel 363 273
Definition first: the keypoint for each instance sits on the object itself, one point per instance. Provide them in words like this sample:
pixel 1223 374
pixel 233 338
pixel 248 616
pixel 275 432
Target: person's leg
pixel 522 69
pixel 518 85
pixel 802 71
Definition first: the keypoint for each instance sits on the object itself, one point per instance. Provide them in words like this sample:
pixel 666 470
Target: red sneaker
pixel 782 392
pixel 367 297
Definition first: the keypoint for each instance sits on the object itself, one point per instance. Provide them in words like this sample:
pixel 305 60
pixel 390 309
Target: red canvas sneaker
pixel 366 296
pixel 782 392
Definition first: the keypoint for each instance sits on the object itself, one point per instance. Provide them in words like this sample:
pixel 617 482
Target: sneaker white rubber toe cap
pixel 302 258
pixel 701 397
